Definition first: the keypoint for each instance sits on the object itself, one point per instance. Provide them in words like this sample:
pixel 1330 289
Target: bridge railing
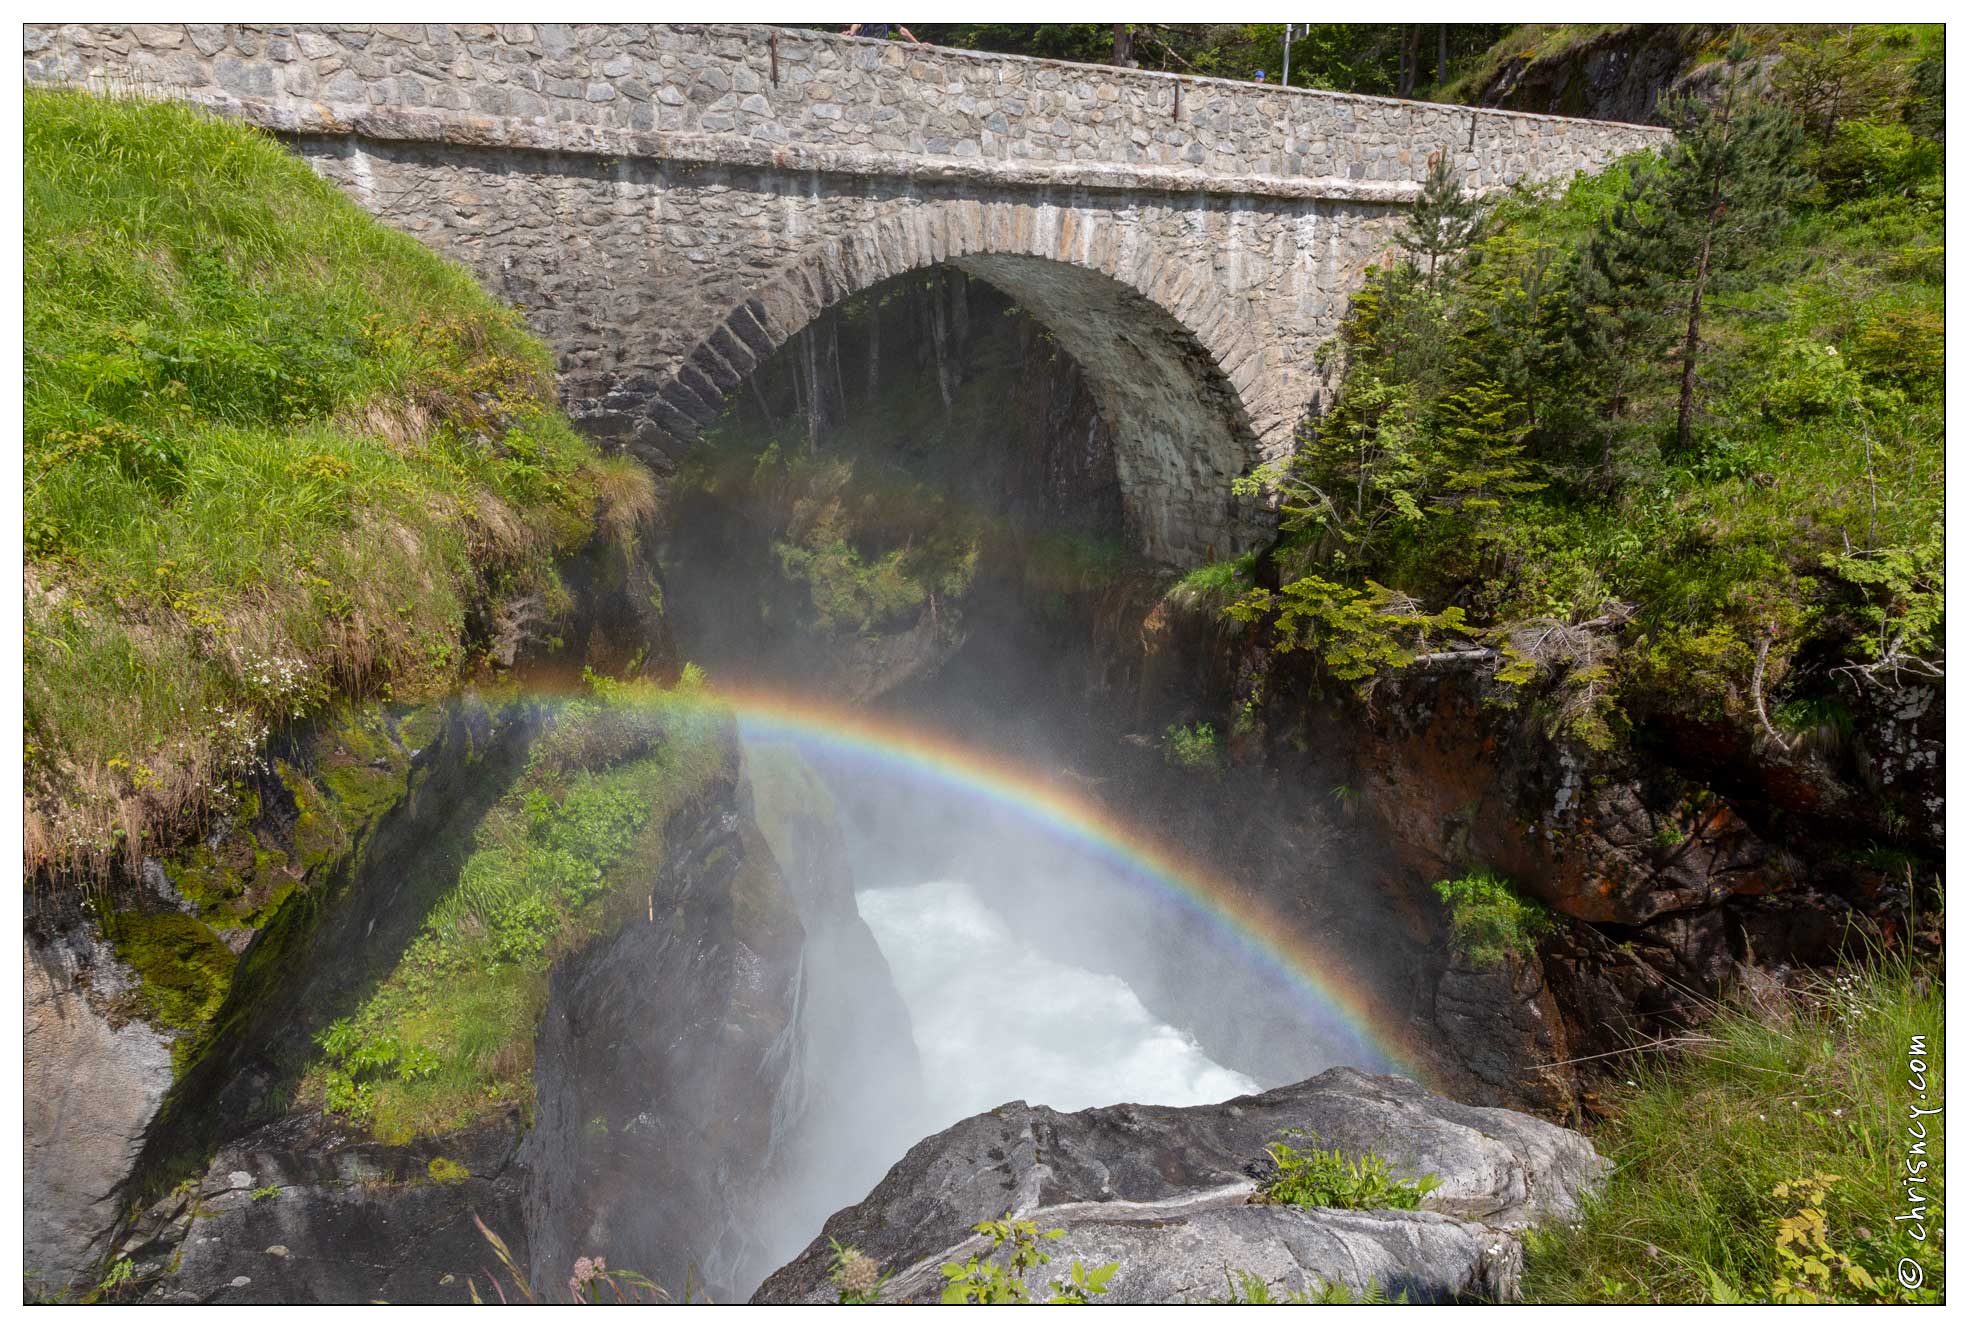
pixel 745 94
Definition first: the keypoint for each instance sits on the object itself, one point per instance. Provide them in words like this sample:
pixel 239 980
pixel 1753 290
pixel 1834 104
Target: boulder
pixel 1168 1193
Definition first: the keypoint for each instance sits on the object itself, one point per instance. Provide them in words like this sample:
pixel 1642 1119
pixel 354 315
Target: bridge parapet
pixel 740 93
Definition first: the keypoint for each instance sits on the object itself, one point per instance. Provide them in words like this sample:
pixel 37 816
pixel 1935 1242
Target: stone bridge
pixel 671 202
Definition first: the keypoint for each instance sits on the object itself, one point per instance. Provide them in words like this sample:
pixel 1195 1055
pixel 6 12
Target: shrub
pixel 1193 748
pixel 992 1279
pixel 1489 921
pixel 1327 1179
pixel 1902 345
pixel 1871 158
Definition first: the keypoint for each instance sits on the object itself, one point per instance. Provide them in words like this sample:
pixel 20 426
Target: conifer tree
pixel 1690 228
pixel 1443 222
pixel 1837 77
pixel 1479 463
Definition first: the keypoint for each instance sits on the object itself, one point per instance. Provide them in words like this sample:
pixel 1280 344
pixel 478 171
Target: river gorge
pixel 884 783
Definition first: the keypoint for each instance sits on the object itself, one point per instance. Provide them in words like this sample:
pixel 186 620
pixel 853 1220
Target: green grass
pixel 275 453
pixel 1328 1179
pixel 572 851
pixel 1711 1146
pixel 1217 584
pixel 1535 43
pixel 1489 922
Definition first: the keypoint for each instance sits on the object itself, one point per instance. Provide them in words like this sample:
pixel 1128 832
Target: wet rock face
pixel 93 1077
pixel 1452 784
pixel 1166 1192
pixel 1672 866
pixel 859 1081
pixel 306 1211
pixel 661 1064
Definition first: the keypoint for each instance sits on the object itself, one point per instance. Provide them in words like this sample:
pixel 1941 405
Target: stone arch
pixel 1172 359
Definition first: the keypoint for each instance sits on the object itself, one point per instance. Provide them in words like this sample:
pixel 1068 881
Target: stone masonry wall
pixel 669 203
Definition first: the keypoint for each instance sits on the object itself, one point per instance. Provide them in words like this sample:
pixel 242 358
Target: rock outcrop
pixel 306 1210
pixel 94 1074
pixel 857 1100
pixel 1167 1193
pixel 663 1068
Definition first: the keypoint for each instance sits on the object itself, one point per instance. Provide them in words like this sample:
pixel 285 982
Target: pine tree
pixel 1840 76
pixel 1692 227
pixel 1444 221
pixel 1618 310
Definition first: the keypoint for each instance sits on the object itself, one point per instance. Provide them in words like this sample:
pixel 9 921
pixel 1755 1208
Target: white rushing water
pixel 995 1020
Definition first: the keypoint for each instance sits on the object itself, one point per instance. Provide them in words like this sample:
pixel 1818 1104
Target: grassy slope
pixel 1810 1085
pixel 1540 43
pixel 275 453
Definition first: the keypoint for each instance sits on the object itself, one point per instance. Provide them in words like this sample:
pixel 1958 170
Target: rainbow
pixel 1323 981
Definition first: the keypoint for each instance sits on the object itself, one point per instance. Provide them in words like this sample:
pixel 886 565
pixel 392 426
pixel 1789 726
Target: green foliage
pixel 1195 748
pixel 567 853
pixel 447 1171
pixel 1509 465
pixel 851 593
pixel 1378 58
pixel 1489 921
pixel 997 1276
pixel 1866 158
pixel 260 1193
pixel 864 542
pixel 1217 584
pixel 1901 609
pixel 274 452
pixel 1444 221
pixel 1767 1157
pixel 1691 230
pixel 1815 1272
pixel 1356 633
pixel 119 1275
pixel 1840 77
pixel 1328 1179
